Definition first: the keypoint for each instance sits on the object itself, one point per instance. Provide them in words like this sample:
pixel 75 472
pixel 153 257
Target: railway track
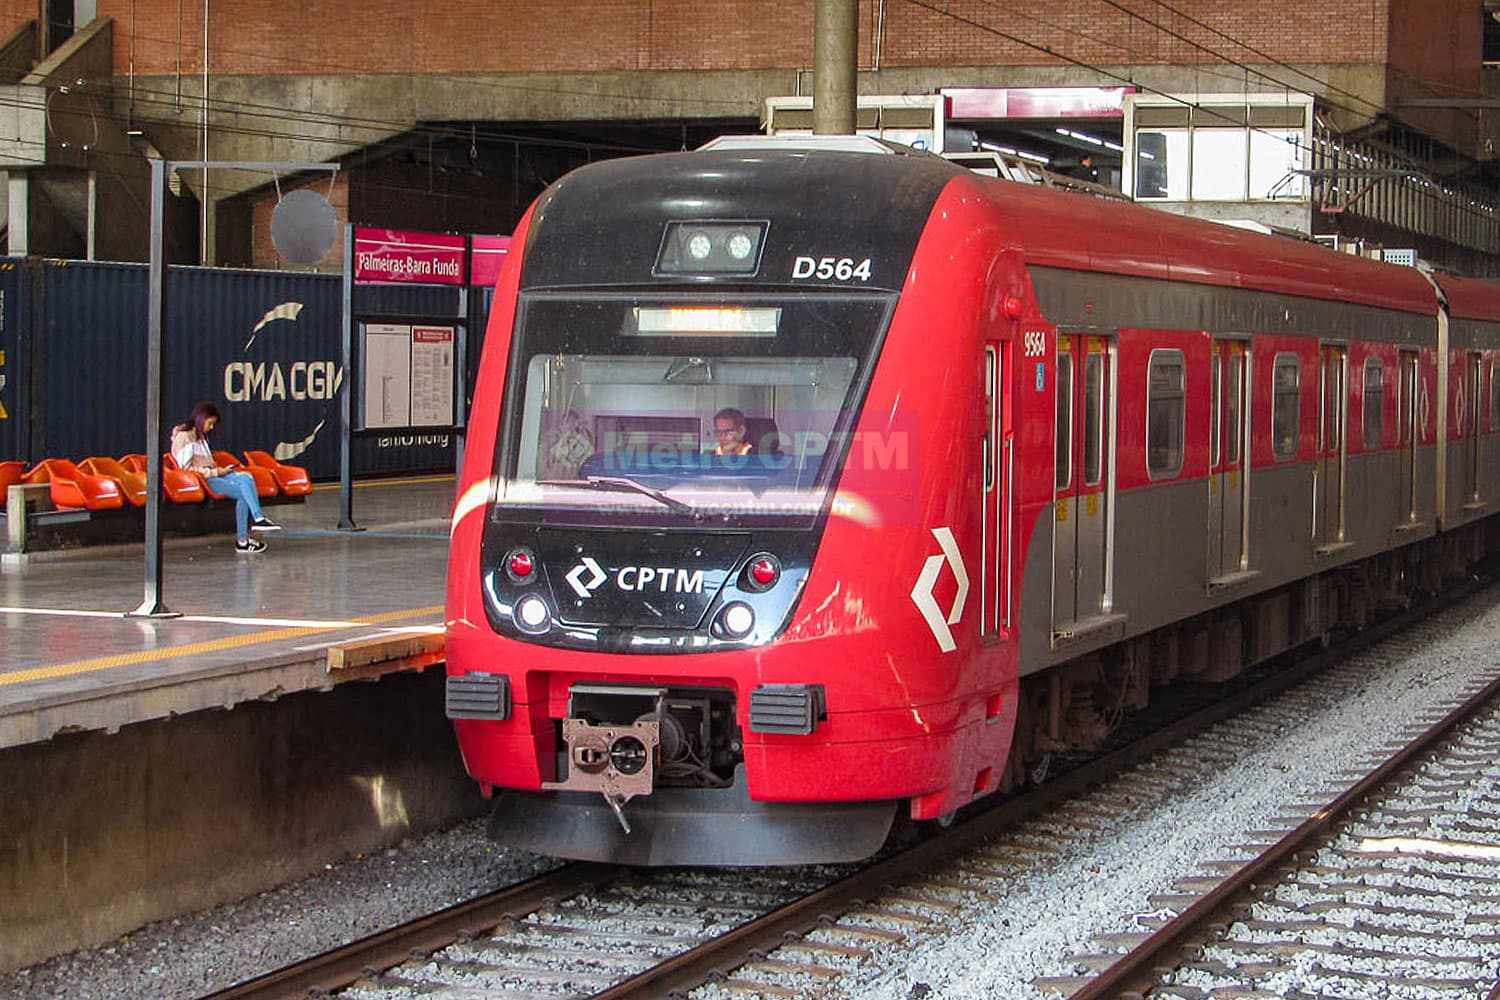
pixel 605 932
pixel 1389 888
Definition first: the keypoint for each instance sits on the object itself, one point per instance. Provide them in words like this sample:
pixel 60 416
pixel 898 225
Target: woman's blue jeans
pixel 241 486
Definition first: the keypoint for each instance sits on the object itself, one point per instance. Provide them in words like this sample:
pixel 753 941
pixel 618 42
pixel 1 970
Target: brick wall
pixel 512 36
pixel 263 252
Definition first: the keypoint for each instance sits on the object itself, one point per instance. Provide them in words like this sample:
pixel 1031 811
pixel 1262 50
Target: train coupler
pixel 618 762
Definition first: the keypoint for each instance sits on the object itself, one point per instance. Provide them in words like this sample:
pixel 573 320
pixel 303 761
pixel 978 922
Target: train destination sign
pixel 398 255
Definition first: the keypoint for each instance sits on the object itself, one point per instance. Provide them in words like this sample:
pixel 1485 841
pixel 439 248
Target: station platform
pixel 319 607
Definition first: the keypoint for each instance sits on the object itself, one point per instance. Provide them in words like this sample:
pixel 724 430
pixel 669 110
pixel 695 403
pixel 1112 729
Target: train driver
pixel 729 432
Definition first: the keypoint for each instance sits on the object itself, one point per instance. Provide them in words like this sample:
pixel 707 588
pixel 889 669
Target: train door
pixel 1228 481
pixel 992 597
pixel 1468 415
pixel 1084 444
pixel 1406 436
pixel 1333 425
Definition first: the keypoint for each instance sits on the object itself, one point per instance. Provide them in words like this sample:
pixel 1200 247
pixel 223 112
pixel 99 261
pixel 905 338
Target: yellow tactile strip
pixel 114 660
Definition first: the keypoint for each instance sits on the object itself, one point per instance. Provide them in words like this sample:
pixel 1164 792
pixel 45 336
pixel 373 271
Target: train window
pixel 1286 405
pixel 1166 407
pixel 1236 393
pixel 1495 395
pixel 1406 399
pixel 1215 393
pixel 1093 419
pixel 1374 422
pixel 1064 420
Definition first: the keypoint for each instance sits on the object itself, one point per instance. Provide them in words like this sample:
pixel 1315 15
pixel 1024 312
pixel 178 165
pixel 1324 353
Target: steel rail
pixel 1144 958
pixel 716 958
pixel 341 966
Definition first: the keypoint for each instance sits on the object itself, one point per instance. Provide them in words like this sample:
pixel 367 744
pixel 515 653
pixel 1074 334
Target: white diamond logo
pixel 575 577
pixel 921 594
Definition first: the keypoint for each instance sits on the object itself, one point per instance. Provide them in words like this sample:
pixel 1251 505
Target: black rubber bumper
pixel 676 826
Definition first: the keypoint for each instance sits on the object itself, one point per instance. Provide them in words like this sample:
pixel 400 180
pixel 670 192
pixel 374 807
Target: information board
pixel 409 373
pixel 432 376
pixel 386 392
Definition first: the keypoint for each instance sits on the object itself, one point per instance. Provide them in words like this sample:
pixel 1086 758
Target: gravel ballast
pixel 197 954
pixel 1036 927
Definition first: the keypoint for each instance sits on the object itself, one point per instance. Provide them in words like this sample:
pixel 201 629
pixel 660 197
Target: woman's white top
pixel 190 450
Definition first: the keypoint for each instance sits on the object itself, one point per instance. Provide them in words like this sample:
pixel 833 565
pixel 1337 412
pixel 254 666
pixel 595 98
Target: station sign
pixel 489 252
pixel 403 256
pixel 1036 102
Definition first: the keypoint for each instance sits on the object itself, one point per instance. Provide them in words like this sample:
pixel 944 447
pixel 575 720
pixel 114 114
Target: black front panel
pixel 627 619
pixel 603 225
pixel 654 579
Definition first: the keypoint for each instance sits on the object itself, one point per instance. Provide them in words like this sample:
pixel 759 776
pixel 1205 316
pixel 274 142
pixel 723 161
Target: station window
pixel 1166 407
pixel 1374 422
pixel 1228 152
pixel 1064 420
pixel 1286 405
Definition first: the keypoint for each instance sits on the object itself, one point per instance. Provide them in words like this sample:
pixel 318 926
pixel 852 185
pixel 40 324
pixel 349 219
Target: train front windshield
pixel 686 407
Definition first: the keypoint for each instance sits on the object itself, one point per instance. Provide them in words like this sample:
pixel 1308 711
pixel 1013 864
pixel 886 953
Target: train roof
pixel 1069 230
pixel 1471 299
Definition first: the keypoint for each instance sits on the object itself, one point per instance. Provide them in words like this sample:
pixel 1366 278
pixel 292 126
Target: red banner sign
pixel 489 253
pixel 1036 102
pixel 394 255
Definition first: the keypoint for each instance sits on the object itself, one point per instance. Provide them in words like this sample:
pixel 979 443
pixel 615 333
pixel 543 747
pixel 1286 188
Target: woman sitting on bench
pixel 191 450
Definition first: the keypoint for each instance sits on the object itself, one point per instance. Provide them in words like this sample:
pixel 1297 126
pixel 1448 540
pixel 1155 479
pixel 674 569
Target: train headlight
pixel 711 248
pixel 736 620
pixel 740 246
pixel 532 614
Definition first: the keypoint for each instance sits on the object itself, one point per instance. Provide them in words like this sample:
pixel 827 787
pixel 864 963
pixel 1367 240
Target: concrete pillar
pixel 835 51
pixel 18 213
pixel 209 220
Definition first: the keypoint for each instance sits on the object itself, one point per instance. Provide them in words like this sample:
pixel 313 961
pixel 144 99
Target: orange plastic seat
pixel 265 482
pixel 176 485
pixel 10 474
pixel 292 480
pixel 135 462
pixel 132 484
pixel 169 464
pixel 74 489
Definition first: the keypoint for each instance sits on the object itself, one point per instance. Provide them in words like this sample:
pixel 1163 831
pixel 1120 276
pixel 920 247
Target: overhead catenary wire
pixel 1486 211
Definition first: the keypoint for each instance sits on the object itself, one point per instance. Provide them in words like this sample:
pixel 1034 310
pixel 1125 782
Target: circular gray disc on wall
pixel 303 227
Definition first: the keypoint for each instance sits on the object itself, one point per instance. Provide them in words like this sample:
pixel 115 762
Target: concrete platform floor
pixel 252 626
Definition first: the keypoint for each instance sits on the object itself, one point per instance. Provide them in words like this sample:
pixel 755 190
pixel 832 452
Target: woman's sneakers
pixel 250 545
pixel 264 524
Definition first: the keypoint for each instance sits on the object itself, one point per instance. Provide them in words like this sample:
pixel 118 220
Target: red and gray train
pixel 1017 457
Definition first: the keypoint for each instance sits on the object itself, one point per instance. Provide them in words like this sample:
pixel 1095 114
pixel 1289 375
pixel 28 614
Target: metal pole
pixel 156 324
pixel 835 51
pixel 346 398
pixel 461 363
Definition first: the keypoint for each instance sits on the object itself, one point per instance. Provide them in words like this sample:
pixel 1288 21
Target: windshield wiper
pixel 620 483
